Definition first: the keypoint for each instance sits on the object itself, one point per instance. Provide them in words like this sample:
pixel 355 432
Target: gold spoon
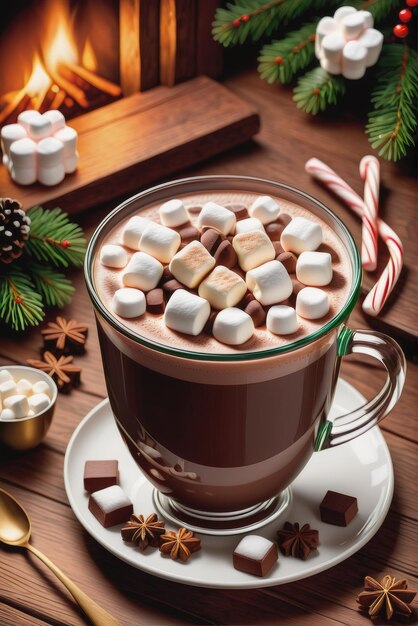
pixel 15 529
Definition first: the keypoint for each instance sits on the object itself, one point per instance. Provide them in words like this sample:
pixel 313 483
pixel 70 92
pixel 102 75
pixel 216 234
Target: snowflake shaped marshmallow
pixel 347 43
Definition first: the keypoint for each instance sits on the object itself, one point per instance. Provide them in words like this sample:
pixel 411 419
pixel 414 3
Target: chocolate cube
pixel 100 474
pixel 255 555
pixel 338 508
pixel 110 506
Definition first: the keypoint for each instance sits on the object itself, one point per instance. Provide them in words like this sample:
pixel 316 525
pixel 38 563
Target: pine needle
pixel 317 90
pixel 20 305
pixel 54 287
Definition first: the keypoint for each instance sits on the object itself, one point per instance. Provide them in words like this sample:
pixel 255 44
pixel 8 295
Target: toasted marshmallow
pixel 222 288
pixel 142 272
pixel 7 388
pixel 132 233
pixel 160 242
pixel 314 269
pixel 264 209
pixel 282 320
pixel 312 303
pixel 128 302
pixel 41 386
pixel 38 402
pixel 253 249
pixel 300 235
pixel 216 216
pixel 24 387
pixel 248 225
pixel 7 414
pixel 191 264
pixel 186 313
pixel 173 213
pixel 113 256
pixel 233 326
pixel 269 283
pixel 5 375
pixel 18 404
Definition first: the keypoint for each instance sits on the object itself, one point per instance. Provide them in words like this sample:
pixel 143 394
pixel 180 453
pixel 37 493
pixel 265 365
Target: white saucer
pixel 362 468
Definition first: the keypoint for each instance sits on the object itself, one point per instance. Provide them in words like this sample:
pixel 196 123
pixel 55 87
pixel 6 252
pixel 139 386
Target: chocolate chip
pixel 225 255
pixel 289 261
pixel 166 275
pixel 284 218
pixel 209 324
pixel 188 234
pixel 194 210
pixel 274 231
pixel 211 239
pixel 171 286
pixel 155 301
pixel 256 312
pixel 278 248
pixel 338 508
pixel 240 211
pixel 297 286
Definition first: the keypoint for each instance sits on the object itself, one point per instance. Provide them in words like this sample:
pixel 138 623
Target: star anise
pixel 61 370
pixel 65 336
pixel 143 532
pixel 297 542
pixel 389 596
pixel 179 545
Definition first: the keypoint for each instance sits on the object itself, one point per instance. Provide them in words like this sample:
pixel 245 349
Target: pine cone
pixel 14 229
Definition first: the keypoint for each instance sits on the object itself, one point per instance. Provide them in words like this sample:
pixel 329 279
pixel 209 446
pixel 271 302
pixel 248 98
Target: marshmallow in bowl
pixel 128 302
pixel 191 264
pixel 112 255
pixel 24 387
pixel 132 233
pixel 312 303
pixel 301 234
pixel 222 288
pixel 248 225
pixel 38 402
pixel 216 216
pixel 41 386
pixel 5 376
pixel 233 326
pixel 7 388
pixel 18 404
pixel 314 268
pixel 173 213
pixel 7 414
pixel 269 283
pixel 186 313
pixel 264 209
pixel 253 249
pixel 142 272
pixel 282 320
pixel 160 242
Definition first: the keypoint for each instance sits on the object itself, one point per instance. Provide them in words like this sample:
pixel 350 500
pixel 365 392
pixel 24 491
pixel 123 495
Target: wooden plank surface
pixel 30 596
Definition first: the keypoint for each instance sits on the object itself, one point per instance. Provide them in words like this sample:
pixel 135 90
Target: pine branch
pixel 317 89
pixel 281 60
pixel 20 305
pixel 55 288
pixel 252 19
pixel 54 239
pixel 392 124
pixel 380 9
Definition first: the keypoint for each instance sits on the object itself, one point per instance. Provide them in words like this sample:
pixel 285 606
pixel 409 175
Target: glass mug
pixel 221 436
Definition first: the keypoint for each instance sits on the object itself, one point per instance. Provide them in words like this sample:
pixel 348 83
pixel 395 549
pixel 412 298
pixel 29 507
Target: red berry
pixel 245 18
pixel 65 243
pixel 412 3
pixel 236 23
pixel 18 300
pixel 401 31
pixel 405 15
pixel 278 60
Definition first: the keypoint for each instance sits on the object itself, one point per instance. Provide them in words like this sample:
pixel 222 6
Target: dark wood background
pixel 30 595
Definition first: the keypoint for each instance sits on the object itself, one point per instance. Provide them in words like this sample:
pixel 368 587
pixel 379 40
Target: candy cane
pixel 377 297
pixel 370 173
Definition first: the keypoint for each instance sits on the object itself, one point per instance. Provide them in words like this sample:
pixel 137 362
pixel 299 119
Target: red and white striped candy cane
pixel 377 297
pixel 370 173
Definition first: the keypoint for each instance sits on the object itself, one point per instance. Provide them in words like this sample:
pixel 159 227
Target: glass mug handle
pixel 346 427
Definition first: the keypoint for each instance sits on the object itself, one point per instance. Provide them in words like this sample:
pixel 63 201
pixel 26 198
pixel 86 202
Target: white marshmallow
pixel 56 118
pixel 233 326
pixel 191 264
pixel 367 17
pixel 314 268
pixel 23 154
pixel 7 414
pixel 331 67
pixel 68 137
pixel 50 161
pixel 24 387
pixel 372 40
pixel 111 498
pixel 332 47
pixel 5 375
pixel 132 233
pixel 301 234
pixel 253 547
pixel 269 283
pixel 312 303
pixel 26 117
pixel 216 216
pixel 23 176
pixel 9 134
pixel 113 256
pixel 223 288
pixel 7 388
pixel 354 60
pixel 282 320
pixel 342 12
pixel 41 386
pixel 160 242
pixel 52 175
pixel 142 272
pixel 248 225
pixel 38 402
pixel 352 25
pixel 253 248
pixel 173 213
pixel 128 302
pixel 264 209
pixel 39 128
pixel 326 26
pixel 18 404
pixel 186 313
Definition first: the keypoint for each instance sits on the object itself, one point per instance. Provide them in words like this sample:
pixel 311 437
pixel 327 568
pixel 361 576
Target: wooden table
pixel 30 595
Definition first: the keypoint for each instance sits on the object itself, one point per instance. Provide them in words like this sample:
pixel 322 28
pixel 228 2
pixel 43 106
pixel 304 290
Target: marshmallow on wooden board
pixel 312 303
pixel 186 313
pixel 27 117
pixel 191 264
pixel 5 375
pixel 354 60
pixel 50 161
pixel 248 225
pixel 352 25
pixel 38 402
pixel 173 213
pixel 132 233
pixel 314 268
pixel 160 242
pixel 7 388
pixel 24 387
pixel 39 127
pixel 68 137
pixel 233 326
pixel 7 414
pixel 223 288
pixel 22 161
pixel 41 386
pixel 264 209
pixel 128 302
pixel 253 249
pixel 9 134
pixel 56 118
pixel 142 272
pixel 282 320
pixel 216 216
pixel 372 40
pixel 112 255
pixel 269 283
pixel 18 403
pixel 301 234
pixel 326 26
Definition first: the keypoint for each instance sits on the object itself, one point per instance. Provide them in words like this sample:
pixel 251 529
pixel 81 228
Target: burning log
pixel 73 91
pixel 87 79
pixel 17 104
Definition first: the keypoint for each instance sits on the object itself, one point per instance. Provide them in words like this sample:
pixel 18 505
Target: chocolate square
pixel 338 508
pixel 110 506
pixel 255 555
pixel 100 474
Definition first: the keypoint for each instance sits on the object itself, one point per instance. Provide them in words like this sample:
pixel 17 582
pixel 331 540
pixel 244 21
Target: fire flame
pixel 61 48
pixel 38 82
pixel 88 58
